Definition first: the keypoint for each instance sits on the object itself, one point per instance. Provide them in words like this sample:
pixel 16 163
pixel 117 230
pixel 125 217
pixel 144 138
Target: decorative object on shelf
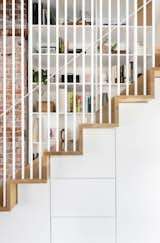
pixel 61 45
pixel 35 155
pixel 44 106
pixel 53 16
pixel 62 139
pixel 70 78
pixel 44 14
pixel 87 18
pixel 123 73
pixel 71 51
pixel 43 76
pixel 131 71
pixel 105 47
pixel 35 13
pixel 44 49
pixel 53 139
pixel 35 130
pixel 113 48
pixel 122 48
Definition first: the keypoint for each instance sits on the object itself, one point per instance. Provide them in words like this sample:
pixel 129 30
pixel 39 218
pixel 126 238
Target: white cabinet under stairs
pixel 110 193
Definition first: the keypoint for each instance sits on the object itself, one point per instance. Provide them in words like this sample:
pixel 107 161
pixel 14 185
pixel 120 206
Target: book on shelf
pixel 70 101
pixel 79 103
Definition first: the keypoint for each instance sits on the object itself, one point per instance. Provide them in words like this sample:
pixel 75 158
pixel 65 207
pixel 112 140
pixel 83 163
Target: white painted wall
pixel 115 183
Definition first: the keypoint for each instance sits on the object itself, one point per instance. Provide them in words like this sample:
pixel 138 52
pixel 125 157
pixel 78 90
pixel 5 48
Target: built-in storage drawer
pixel 83 197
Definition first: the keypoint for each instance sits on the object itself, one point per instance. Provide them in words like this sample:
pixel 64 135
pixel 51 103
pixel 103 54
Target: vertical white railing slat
pixel 30 86
pixel 127 47
pixel 13 91
pixel 135 49
pixel 22 91
pixel 110 63
pixel 66 69
pixel 101 60
pixel 40 87
pixel 144 48
pixel 96 56
pixel 92 61
pixel 4 104
pixel 118 46
pixel 83 60
pixel 57 75
pixel 153 33
pixel 74 71
pixel 48 73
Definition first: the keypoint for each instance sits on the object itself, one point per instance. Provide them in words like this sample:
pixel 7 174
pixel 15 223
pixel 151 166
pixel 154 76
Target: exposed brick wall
pixel 9 83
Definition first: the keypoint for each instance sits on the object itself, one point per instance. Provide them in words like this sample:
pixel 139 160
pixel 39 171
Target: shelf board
pixel 89 54
pixel 62 114
pixel 86 84
pixel 88 26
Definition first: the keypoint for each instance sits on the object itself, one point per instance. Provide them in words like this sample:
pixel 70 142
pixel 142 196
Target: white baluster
pixel 83 59
pixel 13 91
pixel 74 71
pixel 144 48
pixel 118 46
pixel 92 61
pixel 66 68
pixel 153 33
pixel 135 49
pixel 110 63
pixel 4 104
pixel 57 75
pixel 22 91
pixel 48 73
pixel 40 88
pixel 127 47
pixel 30 87
pixel 101 60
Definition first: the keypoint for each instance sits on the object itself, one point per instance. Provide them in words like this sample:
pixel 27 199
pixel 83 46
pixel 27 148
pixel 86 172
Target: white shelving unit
pixel 50 56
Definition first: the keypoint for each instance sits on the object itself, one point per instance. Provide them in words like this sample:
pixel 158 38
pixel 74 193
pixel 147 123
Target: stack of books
pixel 78 103
pixel 122 71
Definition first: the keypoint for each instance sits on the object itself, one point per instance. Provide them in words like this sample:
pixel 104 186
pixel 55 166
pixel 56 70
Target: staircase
pixel 12 185
pixel 110 111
